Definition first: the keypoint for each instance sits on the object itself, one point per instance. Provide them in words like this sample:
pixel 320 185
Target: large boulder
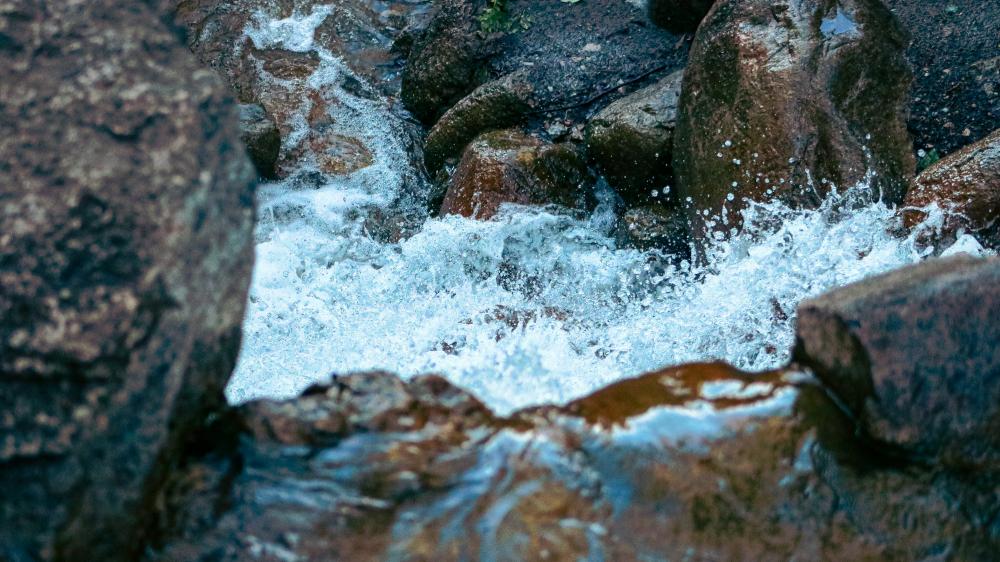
pixel 785 100
pixel 955 99
pixel 913 354
pixel 512 167
pixel 631 141
pixel 965 187
pixel 479 68
pixel 126 244
pixel 700 462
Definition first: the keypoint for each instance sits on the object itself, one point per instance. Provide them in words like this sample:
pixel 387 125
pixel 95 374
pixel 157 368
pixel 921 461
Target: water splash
pixel 532 307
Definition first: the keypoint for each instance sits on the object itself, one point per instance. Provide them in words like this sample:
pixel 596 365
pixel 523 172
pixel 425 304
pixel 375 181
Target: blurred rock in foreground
pixel 126 217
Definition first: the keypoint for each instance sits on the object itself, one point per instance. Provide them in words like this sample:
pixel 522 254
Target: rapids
pixel 531 307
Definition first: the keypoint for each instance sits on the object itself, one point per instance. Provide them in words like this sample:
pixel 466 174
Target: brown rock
pixel 126 243
pixel 966 186
pixel 511 167
pixel 699 461
pixel 619 402
pixel 632 141
pixel 261 137
pixel 282 63
pixel 494 105
pixel 781 101
pixel 913 354
pixel 280 79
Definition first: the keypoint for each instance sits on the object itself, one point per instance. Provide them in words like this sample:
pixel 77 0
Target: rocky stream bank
pixel 129 137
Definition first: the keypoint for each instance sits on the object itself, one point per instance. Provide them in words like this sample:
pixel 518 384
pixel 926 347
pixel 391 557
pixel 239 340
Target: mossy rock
pixel 767 119
pixel 631 141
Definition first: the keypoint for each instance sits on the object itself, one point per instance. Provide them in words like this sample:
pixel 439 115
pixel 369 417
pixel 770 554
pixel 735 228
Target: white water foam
pixel 575 312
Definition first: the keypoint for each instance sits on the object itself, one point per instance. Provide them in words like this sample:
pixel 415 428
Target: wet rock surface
pixel 311 99
pixel 781 101
pixel 655 227
pixel 261 137
pixel 123 273
pixel 631 142
pixel 913 355
pixel 126 217
pixel 362 33
pixel 965 187
pixel 955 98
pixel 700 460
pixel 540 60
pixel 512 167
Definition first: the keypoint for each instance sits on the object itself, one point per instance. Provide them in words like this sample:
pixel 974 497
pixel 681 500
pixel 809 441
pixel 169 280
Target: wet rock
pixel 361 34
pixel 617 403
pixel 631 141
pixel 543 60
pixel 374 402
pixel 495 105
pixel 392 225
pixel 315 102
pixel 955 98
pixel 966 187
pixel 913 355
pixel 282 64
pixel 679 16
pixel 782 101
pixel 512 167
pixel 365 32
pixel 125 257
pixel 655 227
pixel 443 65
pixel 261 137
pixel 700 460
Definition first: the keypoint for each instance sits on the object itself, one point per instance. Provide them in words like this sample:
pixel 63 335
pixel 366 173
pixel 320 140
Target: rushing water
pixel 528 308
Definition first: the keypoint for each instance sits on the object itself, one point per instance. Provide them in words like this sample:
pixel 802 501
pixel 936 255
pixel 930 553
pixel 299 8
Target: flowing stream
pixel 528 308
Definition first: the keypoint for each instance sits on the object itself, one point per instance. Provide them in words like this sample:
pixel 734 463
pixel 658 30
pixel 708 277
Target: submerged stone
pixel 655 227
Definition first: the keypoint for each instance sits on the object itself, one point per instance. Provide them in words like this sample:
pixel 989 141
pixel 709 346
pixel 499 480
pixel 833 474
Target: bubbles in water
pixel 531 307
